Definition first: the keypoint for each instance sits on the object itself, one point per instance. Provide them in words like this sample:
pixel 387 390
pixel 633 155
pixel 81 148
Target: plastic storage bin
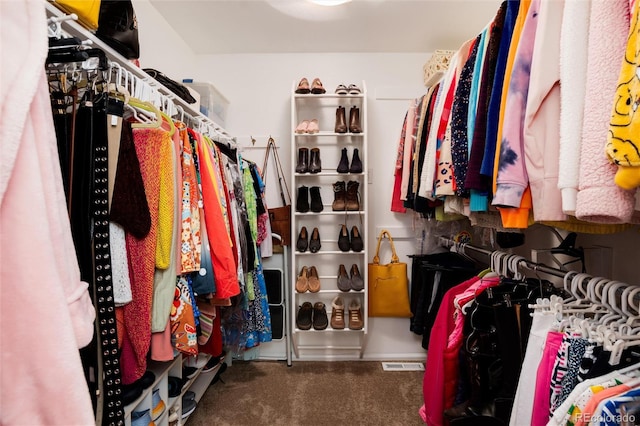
pixel 212 103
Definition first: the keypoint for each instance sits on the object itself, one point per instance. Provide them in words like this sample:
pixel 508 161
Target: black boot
pixel 303 160
pixel 315 165
pixel 356 163
pixel 316 199
pixel 302 202
pixel 343 166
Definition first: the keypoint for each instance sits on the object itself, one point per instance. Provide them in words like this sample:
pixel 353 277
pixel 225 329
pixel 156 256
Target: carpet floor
pixel 311 393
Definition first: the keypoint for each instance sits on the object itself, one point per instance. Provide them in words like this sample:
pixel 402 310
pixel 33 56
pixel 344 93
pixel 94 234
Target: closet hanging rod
pixel 73 28
pixel 533 266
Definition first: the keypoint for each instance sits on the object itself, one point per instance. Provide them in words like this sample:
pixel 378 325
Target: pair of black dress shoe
pixel 354 243
pixel 304 243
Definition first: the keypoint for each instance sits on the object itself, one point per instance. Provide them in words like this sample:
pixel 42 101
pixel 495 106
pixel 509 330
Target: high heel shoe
pixel 314 280
pixel 303 240
pixel 314 243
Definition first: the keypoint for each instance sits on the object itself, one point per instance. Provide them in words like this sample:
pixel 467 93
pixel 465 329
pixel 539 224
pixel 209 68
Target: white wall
pixel 259 88
pixel 161 47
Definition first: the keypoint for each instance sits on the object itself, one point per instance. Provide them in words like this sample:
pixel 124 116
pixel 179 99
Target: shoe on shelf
pixel 213 362
pixel 351 197
pixel 343 239
pixel 343 165
pixel 314 280
pixel 303 160
pixel 357 244
pixel 313 126
pixel 303 86
pixel 320 320
pixel 337 313
pixel 341 120
pixel 175 386
pixel 356 163
pixel 315 164
pixel 355 315
pixel 188 407
pixel 339 197
pixel 316 199
pixel 302 282
pixel 344 282
pixel 316 87
pixel 341 89
pixel 357 283
pixel 304 317
pixel 303 240
pixel 353 90
pixel 302 127
pixel 158 405
pixel 189 372
pixel 302 200
pixel 314 242
pixel 189 395
pixel 354 120
pixel 141 418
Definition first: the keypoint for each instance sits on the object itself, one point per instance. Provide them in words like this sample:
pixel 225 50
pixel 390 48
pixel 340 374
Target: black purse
pixel 118 27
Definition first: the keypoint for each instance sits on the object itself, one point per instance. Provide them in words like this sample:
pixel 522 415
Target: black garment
pixel 431 276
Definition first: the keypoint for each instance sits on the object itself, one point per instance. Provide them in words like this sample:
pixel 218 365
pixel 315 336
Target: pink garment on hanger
pixel 45 309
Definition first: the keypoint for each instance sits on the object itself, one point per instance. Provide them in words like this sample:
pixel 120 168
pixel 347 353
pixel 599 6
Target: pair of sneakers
pixel 352 89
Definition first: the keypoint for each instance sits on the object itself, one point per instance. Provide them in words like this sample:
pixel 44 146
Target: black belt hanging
pixel 110 410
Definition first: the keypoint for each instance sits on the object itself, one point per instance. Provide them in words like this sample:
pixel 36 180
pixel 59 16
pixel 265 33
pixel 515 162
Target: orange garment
pixel 516 218
pixel 222 259
pixel 141 254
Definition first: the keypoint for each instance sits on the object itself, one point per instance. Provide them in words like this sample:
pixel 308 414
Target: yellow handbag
pixel 388 287
pixel 88 11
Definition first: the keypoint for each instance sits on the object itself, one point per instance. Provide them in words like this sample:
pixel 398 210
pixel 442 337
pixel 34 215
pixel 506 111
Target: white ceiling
pixel 293 26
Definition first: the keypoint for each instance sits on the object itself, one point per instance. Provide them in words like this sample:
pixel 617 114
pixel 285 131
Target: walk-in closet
pixel 288 212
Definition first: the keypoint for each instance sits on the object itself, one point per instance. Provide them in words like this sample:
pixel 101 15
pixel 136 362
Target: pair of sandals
pixel 316 87
pixel 352 89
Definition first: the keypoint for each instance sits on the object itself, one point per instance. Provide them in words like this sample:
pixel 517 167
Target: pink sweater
pixel 599 198
pixel 45 310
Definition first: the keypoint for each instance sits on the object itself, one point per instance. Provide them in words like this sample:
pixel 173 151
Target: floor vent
pixel 403 366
